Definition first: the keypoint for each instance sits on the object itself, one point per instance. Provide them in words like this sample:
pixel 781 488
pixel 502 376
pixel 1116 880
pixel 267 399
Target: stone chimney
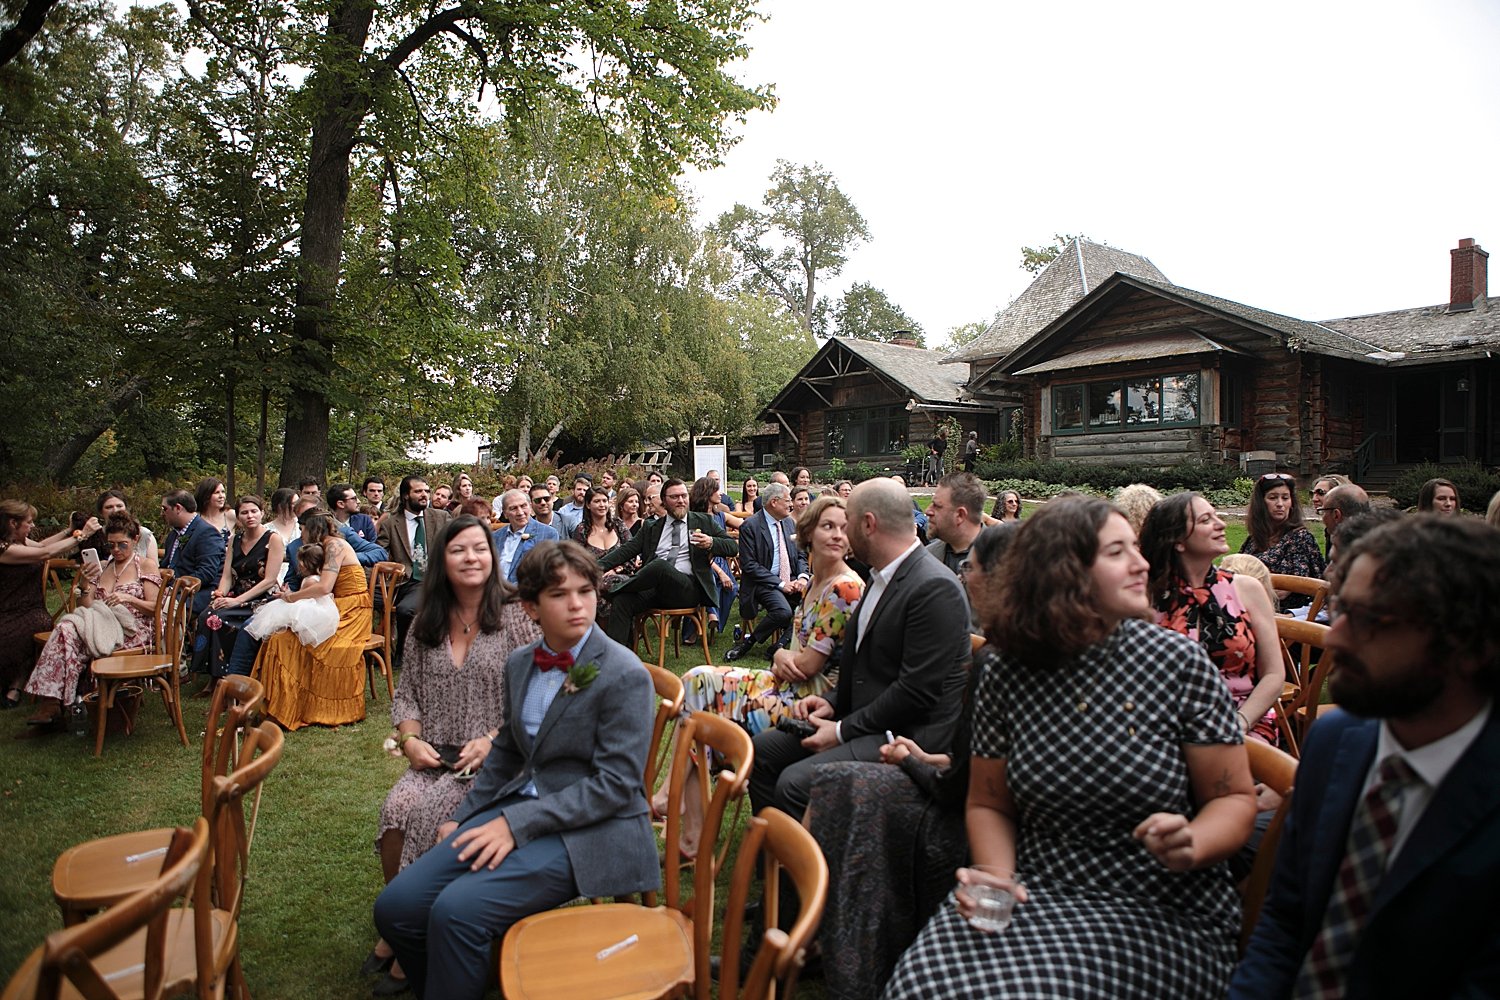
pixel 1470 284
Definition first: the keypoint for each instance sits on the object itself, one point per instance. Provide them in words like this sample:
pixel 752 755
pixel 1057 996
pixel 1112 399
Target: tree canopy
pixel 868 313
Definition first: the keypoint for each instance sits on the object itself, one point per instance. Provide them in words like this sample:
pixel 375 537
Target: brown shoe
pixel 49 710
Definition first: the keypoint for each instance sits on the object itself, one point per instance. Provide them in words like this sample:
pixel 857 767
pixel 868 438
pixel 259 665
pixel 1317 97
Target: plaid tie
pixel 1371 834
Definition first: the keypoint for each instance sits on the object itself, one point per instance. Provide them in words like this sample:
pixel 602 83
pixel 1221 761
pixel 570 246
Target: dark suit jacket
pixel 537 532
pixel 1435 927
pixel 200 553
pixel 363 525
pixel 757 549
pixel 393 539
pixel 643 543
pixel 908 673
pixel 587 761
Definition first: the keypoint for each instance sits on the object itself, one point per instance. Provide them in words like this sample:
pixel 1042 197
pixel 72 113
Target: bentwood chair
pixel 379 652
pixel 1310 586
pixel 99 873
pixel 57 589
pixel 1302 694
pixel 669 697
pixel 1277 771
pixel 552 954
pixel 125 952
pixel 669 620
pixel 131 674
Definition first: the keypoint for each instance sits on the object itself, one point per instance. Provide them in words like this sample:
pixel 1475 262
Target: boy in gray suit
pixel 557 811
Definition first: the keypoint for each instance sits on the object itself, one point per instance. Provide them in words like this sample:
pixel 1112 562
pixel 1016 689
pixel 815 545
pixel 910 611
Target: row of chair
pixel 140 945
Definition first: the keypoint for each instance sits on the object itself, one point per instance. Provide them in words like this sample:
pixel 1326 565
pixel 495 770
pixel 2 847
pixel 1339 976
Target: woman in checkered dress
pixel 1107 771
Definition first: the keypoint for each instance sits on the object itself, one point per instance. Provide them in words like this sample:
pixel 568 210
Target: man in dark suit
pixel 405 535
pixel 557 810
pixel 772 569
pixel 675 553
pixel 1388 871
pixel 520 534
pixel 193 548
pixel 903 657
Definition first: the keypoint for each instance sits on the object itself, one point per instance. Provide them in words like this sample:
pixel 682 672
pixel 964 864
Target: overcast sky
pixel 1317 159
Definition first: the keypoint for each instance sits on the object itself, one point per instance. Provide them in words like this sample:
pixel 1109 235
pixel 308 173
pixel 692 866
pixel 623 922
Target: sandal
pixel 12 699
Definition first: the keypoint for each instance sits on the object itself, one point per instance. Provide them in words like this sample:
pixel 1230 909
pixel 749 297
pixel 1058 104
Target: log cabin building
pixel 1106 361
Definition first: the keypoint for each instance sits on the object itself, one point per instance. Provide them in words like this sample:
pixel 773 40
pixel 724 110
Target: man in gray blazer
pixel 557 811
pixel 406 534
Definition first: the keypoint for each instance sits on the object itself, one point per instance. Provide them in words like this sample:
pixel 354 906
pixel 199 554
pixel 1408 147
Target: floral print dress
pixel 1295 553
pixel 1211 614
pixel 755 698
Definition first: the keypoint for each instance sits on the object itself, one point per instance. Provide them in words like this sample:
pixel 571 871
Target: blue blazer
pixel 535 531
pixel 363 525
pixel 366 553
pixel 757 549
pixel 200 553
pixel 1435 927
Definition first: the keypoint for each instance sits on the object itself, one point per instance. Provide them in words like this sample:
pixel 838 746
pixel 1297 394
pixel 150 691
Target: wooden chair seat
pixel 665 620
pixel 560 948
pixel 117 674
pixel 125 667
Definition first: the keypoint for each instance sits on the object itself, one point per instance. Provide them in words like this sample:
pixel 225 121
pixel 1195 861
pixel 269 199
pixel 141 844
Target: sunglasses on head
pixel 1277 476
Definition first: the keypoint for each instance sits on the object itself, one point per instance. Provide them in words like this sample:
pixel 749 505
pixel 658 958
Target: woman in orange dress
pixel 323 684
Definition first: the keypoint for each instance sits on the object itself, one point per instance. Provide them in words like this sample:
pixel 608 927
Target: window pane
pixel 1180 398
pixel 1067 407
pixel 1104 404
pixel 1143 400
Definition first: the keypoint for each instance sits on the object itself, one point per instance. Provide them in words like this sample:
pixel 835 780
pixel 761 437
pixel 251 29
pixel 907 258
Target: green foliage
pixel 774 342
pixel 1185 476
pixel 867 313
pixel 838 469
pixel 864 470
pixel 1034 259
pixel 1475 484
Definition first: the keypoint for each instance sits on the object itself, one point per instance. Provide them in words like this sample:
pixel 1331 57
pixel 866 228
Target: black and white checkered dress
pixel 1093 747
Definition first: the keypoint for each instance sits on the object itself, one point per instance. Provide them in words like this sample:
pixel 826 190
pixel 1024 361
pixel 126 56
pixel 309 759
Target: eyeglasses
pixel 1276 475
pixel 965 567
pixel 1363 622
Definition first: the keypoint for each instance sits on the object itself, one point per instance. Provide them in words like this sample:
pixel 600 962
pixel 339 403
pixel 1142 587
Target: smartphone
pixel 91 558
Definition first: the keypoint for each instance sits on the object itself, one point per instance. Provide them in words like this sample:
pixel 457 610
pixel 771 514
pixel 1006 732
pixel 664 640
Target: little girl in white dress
pixel 314 621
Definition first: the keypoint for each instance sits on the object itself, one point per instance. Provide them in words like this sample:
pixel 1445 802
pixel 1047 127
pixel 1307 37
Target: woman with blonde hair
pixel 1136 500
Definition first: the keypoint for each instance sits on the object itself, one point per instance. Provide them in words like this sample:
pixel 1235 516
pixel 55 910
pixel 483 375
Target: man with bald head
pixel 901 659
pixel 1340 504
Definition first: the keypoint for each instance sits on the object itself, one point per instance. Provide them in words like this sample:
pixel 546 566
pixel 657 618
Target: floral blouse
pixel 821 626
pixel 1295 553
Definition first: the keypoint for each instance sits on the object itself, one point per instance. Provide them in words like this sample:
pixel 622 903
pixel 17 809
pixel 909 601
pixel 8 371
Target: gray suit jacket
pixel 392 534
pixel 587 762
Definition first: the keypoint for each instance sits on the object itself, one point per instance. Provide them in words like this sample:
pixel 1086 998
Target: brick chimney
pixel 1470 284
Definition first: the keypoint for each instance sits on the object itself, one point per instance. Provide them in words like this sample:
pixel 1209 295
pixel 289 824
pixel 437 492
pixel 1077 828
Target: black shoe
pixel 390 986
pixel 374 963
pixel 739 650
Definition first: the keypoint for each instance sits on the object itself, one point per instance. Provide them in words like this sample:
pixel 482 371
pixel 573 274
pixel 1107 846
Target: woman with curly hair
pixel 1228 614
pixel 1278 537
pixel 1106 764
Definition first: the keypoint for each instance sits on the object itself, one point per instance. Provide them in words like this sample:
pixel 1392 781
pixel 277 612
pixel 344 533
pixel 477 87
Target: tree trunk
pixel 547 441
pixel 229 442
pixel 361 457
pixel 33 16
pixel 523 439
pixel 260 441
pixel 61 461
pixel 346 87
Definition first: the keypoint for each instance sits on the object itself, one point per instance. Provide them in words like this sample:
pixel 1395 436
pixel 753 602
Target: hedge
pixel 1475 484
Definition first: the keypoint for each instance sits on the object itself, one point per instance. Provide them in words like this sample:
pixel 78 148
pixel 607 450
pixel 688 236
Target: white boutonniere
pixel 525 537
pixel 580 676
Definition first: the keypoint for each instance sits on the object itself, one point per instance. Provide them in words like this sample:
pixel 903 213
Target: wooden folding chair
pixel 666 620
pixel 115 675
pixel 1306 671
pixel 379 653
pixel 1309 585
pixel 669 697
pixel 552 954
pixel 124 952
pixel 57 589
pixel 99 873
pixel 1277 771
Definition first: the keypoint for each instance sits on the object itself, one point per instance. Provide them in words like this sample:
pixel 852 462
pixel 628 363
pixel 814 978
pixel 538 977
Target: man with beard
pixel 1389 868
pixel 406 534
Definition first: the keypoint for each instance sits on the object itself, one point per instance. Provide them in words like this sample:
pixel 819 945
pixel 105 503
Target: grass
pixel 313 871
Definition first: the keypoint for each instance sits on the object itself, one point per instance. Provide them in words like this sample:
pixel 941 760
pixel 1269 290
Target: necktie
pixel 419 549
pixel 677 544
pixel 785 570
pixel 551 661
pixel 1371 833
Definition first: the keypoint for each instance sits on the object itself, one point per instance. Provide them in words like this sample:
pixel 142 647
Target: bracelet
pixel 401 740
pixel 1244 720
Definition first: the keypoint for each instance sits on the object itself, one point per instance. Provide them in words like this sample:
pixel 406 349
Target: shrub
pixel 1475 484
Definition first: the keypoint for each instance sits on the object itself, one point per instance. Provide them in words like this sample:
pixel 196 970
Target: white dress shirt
pixel 1431 764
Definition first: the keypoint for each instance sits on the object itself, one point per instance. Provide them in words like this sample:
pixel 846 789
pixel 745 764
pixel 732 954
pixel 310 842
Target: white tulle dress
pixel 314 621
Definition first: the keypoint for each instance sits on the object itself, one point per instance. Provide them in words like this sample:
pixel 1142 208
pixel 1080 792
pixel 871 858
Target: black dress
pixel 218 630
pixel 1093 746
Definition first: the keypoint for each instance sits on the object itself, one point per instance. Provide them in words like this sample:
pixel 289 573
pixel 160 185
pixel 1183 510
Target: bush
pixel 1105 478
pixel 1475 484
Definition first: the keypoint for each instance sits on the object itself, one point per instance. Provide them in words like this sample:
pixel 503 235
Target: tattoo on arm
pixel 1222 785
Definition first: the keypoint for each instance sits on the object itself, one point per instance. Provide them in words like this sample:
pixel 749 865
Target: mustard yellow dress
pixel 322 684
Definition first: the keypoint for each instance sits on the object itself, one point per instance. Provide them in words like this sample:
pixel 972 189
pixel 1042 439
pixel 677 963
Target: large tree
pixel 651 75
pixel 803 234
pixel 867 313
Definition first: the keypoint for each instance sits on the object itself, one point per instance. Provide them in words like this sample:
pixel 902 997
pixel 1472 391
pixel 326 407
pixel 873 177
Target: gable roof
pixel 1417 334
pixel 1073 274
pixel 914 371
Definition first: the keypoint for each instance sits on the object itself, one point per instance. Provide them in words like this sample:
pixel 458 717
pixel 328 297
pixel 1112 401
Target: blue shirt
pixel 542 688
pixel 775 547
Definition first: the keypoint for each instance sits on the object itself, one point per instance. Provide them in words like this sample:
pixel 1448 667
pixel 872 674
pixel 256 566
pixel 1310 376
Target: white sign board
pixel 710 453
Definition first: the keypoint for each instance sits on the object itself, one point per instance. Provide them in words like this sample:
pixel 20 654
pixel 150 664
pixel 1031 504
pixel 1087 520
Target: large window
pixel 1136 402
pixel 870 430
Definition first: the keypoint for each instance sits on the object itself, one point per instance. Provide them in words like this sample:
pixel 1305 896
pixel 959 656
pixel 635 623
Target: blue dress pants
pixel 440 917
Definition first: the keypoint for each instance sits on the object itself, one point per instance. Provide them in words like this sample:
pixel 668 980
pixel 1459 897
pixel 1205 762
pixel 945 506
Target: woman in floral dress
pixel 1231 616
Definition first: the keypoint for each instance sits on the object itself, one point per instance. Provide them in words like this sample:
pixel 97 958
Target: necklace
pixel 468 626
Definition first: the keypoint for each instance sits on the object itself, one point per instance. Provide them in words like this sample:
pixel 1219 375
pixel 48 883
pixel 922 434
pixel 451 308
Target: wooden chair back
pixel 238 702
pixel 384 578
pixel 1306 672
pixel 976 642
pixel 1309 585
pixel 698 738
pixel 71 956
pixel 784 845
pixel 669 698
pixel 57 582
pixel 1278 771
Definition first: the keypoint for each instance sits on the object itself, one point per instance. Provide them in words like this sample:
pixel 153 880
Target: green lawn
pixel 313 871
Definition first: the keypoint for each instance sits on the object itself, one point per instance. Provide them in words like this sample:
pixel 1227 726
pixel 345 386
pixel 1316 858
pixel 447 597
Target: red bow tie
pixel 551 661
